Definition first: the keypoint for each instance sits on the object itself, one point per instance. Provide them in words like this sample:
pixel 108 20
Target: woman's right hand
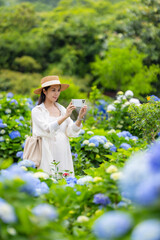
pixel 70 109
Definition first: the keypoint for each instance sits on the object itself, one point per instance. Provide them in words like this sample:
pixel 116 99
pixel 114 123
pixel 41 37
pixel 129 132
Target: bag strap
pixel 31 126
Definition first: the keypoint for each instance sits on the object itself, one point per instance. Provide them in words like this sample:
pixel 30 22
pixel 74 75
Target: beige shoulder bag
pixel 33 149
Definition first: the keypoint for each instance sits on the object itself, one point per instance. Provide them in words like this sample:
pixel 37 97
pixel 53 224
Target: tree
pixel 122 69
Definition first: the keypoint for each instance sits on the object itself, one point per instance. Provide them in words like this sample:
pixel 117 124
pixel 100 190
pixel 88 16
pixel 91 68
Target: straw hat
pixel 50 81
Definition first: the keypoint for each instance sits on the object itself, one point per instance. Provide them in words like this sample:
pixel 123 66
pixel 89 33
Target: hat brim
pixel 63 87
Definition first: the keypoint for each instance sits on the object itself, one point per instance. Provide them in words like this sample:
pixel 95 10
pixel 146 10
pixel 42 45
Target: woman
pixel 52 122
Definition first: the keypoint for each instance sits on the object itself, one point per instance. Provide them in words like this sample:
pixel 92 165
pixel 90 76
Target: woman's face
pixel 52 93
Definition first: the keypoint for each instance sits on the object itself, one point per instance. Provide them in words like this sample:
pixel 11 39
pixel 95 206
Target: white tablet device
pixel 78 102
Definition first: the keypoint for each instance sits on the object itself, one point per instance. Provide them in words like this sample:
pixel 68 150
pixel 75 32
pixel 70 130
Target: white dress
pixel 55 139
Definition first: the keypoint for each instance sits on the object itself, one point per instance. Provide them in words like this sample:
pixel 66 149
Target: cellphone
pixel 78 102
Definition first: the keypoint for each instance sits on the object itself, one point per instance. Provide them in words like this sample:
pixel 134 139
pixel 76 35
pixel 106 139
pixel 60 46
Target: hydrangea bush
pixel 14 124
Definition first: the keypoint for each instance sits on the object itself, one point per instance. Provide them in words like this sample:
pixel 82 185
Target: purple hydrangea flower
pixel 14 134
pixel 112 224
pixel 101 199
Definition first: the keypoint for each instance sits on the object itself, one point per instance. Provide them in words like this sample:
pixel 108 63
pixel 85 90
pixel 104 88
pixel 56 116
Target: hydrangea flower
pixel 112 169
pixel 14 134
pixel 95 141
pixel 84 180
pixel 147 230
pixel 7 111
pixel 110 108
pixel 112 224
pixel 3 125
pixel 108 145
pixel 1 139
pixel 82 219
pixel 124 134
pixel 135 101
pixel 10 95
pixel 19 154
pixel 155 98
pixel 7 213
pixel 113 148
pixel 14 101
pixel 26 163
pixel 1 121
pixel 125 146
pixel 42 175
pixel 45 211
pixel 32 185
pixel 141 184
pixel 101 199
pixel 129 94
pixel 21 118
pixel 71 181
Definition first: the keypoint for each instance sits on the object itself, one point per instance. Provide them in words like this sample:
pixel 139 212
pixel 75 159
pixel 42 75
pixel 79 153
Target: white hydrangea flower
pixel 116 175
pixel 112 169
pixel 91 145
pixel 41 175
pixel 129 94
pixel 116 101
pixel 110 108
pixel 111 131
pixel 125 104
pixel 82 219
pixel 7 111
pixel 135 101
pixel 84 180
pixel 90 132
pixel 85 142
pixel 107 145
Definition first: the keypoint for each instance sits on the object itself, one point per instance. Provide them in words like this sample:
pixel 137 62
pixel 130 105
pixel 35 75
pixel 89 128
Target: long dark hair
pixel 42 96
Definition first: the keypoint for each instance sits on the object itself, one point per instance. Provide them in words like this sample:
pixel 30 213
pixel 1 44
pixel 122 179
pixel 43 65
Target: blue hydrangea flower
pixel 21 118
pixel 124 134
pixel 101 199
pixel 26 163
pixel 14 134
pixel 45 211
pixel 14 101
pixel 10 95
pixel 112 224
pixel 19 154
pixel 155 98
pixel 1 139
pixel 154 159
pixel 71 181
pixel 95 141
pixel 23 144
pixel 1 121
pixel 125 146
pixel 32 185
pixel 3 125
pixel 113 148
pixel 141 184
pixel 7 213
pixel 147 230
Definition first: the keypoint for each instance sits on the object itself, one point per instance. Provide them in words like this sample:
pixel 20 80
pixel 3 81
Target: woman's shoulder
pixel 37 109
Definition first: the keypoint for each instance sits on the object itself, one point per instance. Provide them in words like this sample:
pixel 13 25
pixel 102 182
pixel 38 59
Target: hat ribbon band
pixel 49 83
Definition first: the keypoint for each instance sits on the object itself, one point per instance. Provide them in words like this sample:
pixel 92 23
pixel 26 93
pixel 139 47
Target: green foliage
pixel 18 82
pixel 146 119
pixel 123 69
pixel 16 116
pixel 26 64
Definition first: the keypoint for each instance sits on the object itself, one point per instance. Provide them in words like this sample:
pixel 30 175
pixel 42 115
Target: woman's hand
pixel 82 112
pixel 69 109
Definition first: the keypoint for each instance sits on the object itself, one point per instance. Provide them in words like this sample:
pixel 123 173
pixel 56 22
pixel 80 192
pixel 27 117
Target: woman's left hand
pixel 82 112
